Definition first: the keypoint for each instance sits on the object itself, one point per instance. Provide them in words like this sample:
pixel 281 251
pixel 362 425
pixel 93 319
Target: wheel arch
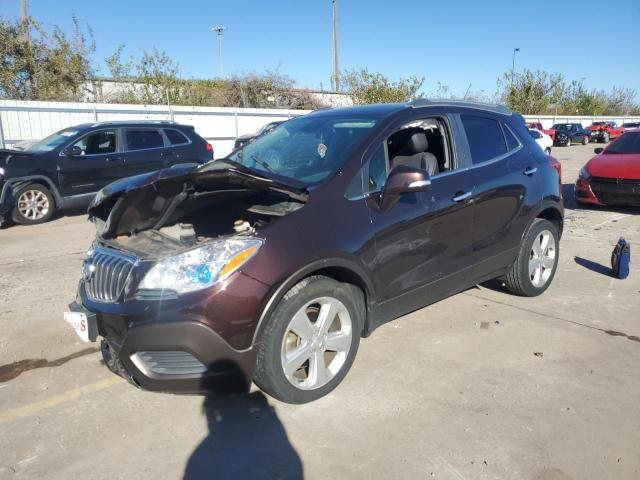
pixel 16 183
pixel 339 269
pixel 549 211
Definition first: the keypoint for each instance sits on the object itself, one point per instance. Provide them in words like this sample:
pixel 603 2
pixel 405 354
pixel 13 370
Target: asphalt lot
pixel 481 385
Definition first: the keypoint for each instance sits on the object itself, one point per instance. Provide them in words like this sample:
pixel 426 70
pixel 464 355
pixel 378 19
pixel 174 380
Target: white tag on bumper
pixel 84 324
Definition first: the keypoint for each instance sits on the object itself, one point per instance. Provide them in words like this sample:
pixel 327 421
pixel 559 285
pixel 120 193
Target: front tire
pixel 311 340
pixel 536 264
pixel 585 140
pixel 547 150
pixel 33 204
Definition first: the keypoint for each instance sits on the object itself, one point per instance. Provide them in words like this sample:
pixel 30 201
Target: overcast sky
pixel 453 42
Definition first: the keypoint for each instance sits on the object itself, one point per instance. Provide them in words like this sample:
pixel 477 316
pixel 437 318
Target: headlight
pixel 584 173
pixel 201 267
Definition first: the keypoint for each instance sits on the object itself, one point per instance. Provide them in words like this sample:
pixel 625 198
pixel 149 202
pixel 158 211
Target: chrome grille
pixel 168 362
pixel 106 273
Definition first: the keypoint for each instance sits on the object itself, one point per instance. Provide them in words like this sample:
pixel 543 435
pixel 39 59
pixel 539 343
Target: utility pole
pixel 25 20
pixel 336 71
pixel 219 31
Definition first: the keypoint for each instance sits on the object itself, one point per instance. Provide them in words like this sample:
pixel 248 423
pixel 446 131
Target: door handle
pixel 114 159
pixel 461 196
pixel 530 171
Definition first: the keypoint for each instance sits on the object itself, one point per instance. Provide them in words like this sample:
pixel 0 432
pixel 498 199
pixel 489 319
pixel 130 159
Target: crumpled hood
pixel 7 157
pixel 142 202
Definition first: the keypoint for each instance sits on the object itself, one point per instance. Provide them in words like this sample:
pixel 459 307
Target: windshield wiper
pixel 259 161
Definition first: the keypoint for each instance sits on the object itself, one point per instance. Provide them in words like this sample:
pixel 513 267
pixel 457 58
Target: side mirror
pixel 74 151
pixel 403 179
pixel 598 150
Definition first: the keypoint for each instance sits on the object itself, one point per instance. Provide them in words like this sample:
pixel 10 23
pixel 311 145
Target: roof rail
pixel 490 107
pixel 117 122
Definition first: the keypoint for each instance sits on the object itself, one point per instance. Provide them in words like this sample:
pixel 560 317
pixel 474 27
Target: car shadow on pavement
pixel 246 440
pixel 594 266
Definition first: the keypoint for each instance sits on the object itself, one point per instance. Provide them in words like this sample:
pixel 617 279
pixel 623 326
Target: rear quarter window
pixel 176 137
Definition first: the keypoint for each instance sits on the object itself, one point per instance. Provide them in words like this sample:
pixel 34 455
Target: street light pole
pixel 219 31
pixel 513 64
pixel 25 21
pixel 336 71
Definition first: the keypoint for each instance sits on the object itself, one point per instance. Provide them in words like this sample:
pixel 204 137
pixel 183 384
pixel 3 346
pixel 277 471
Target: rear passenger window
pixel 141 139
pixel 512 141
pixel 485 138
pixel 175 137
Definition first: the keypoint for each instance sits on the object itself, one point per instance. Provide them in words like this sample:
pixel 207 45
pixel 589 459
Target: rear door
pixel 505 184
pixel 144 150
pixel 97 161
pixel 180 148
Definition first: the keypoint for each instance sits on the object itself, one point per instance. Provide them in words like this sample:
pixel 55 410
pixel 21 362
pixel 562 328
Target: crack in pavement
pixel 14 369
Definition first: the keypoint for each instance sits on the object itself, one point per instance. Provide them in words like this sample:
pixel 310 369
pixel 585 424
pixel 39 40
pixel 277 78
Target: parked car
pixel 541 139
pixel 604 131
pixel 538 126
pixel 630 126
pixel 568 133
pixel 202 280
pixel 612 177
pixel 242 140
pixel 67 168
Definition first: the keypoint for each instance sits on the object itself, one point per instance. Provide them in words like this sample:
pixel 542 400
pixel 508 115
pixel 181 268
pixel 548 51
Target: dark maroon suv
pixel 271 264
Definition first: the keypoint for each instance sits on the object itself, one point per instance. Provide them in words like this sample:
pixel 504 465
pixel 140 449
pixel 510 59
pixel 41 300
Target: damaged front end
pixel 159 281
pixel 158 214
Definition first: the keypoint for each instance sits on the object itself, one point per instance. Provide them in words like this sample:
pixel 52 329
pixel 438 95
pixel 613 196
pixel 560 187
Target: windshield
pixel 52 141
pixel 562 126
pixel 627 143
pixel 306 149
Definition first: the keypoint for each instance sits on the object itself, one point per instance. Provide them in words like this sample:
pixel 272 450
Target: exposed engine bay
pixel 173 214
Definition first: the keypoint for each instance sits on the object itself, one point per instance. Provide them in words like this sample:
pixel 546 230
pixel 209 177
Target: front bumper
pixel 6 202
pixel 213 329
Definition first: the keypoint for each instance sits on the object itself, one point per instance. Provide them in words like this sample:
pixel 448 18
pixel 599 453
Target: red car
pixel 612 177
pixel 602 132
pixel 546 131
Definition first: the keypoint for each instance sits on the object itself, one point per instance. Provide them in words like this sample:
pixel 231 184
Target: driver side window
pixel 96 143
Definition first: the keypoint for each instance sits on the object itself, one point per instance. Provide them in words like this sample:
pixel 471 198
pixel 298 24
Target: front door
pixel 423 242
pixel 90 163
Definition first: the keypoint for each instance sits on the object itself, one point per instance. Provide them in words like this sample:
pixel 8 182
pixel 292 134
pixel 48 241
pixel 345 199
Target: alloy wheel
pixel 542 258
pixel 33 204
pixel 316 343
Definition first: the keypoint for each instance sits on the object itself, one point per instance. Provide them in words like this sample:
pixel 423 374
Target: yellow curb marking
pixel 69 395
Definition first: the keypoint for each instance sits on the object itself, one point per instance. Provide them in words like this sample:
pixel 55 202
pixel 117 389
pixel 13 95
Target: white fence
pixel 22 120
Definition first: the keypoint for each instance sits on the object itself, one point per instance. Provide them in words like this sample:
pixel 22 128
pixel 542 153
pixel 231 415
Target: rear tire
pixel 301 357
pixel 585 140
pixel 536 264
pixel 33 204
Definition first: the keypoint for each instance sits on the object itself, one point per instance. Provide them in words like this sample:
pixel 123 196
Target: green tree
pixel 46 65
pixel 368 87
